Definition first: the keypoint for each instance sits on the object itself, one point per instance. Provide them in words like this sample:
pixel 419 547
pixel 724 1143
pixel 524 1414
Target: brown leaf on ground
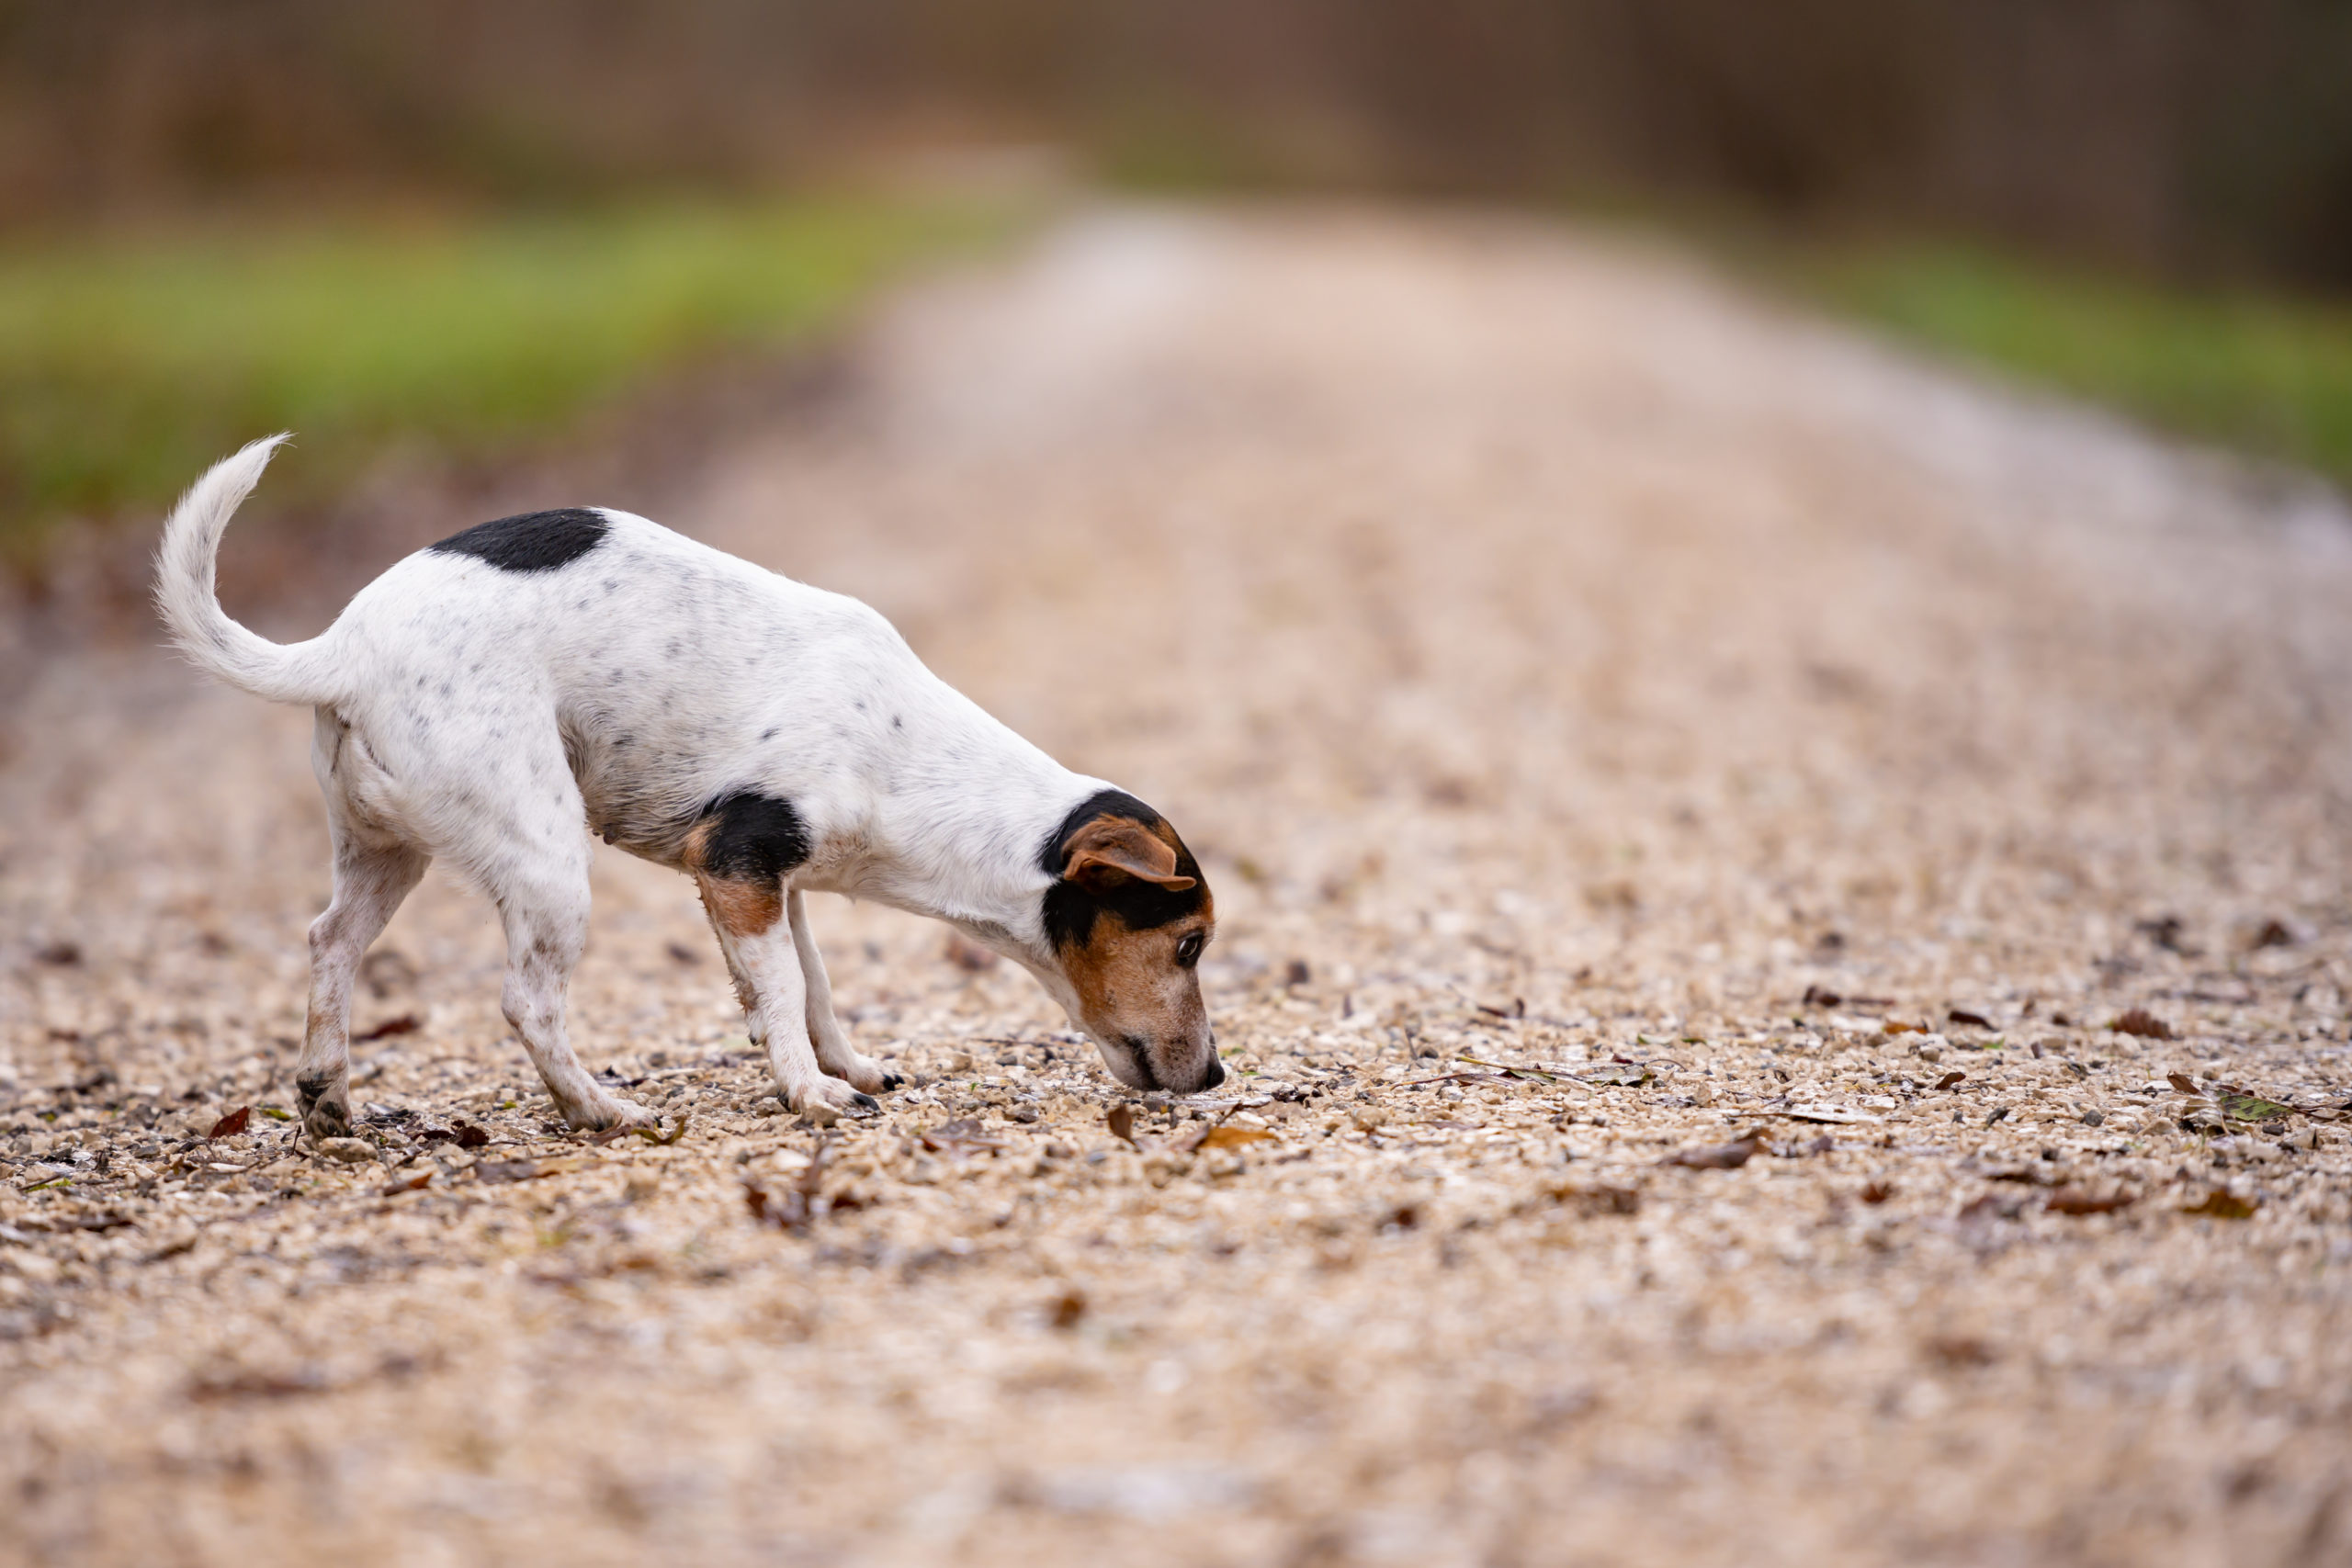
pixel 1716 1157
pixel 1952 1080
pixel 656 1136
pixel 2145 1024
pixel 1960 1351
pixel 416 1183
pixel 406 1023
pixel 964 1135
pixel 2182 1082
pixel 1122 1123
pixel 1233 1138
pixel 496 1171
pixel 214 1388
pixel 1877 1192
pixel 2274 933
pixel 1991 1206
pixel 1974 1020
pixel 232 1124
pixel 2083 1200
pixel 2253 1107
pixel 1068 1309
pixel 2221 1205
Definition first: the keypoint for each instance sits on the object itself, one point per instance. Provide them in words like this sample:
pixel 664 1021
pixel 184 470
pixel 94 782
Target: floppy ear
pixel 1110 849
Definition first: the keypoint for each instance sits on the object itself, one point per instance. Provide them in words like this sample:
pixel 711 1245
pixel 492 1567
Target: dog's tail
pixel 185 596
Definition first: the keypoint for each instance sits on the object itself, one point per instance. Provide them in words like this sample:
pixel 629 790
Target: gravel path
pixel 1559 659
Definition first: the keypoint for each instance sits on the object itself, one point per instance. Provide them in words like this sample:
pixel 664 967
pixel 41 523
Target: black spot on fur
pixel 534 541
pixel 758 837
pixel 1071 908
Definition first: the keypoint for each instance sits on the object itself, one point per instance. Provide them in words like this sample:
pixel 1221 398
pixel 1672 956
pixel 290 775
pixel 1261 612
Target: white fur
pixel 494 718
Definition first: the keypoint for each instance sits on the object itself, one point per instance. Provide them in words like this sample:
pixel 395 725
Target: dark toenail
pixel 867 1102
pixel 891 1081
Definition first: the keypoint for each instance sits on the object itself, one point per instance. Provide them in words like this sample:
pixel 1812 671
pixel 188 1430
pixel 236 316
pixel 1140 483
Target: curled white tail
pixel 185 596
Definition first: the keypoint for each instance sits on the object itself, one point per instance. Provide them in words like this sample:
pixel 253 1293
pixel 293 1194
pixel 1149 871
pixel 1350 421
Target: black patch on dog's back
pixel 1071 908
pixel 530 541
pixel 755 838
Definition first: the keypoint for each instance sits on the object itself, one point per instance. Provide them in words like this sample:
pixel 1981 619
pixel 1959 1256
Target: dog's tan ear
pixel 1110 849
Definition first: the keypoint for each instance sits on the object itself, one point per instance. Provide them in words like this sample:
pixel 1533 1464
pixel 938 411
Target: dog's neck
pixel 963 843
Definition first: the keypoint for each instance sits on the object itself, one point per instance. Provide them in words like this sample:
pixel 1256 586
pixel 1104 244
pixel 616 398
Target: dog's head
pixel 1126 917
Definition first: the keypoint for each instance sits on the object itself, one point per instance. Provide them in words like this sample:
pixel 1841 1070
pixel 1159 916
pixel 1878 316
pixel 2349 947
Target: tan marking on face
pixel 739 908
pixel 1128 982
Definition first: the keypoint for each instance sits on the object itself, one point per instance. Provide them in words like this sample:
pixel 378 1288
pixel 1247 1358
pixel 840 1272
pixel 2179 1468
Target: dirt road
pixel 1559 659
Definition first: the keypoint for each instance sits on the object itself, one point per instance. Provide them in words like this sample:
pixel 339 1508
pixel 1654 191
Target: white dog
pixel 498 696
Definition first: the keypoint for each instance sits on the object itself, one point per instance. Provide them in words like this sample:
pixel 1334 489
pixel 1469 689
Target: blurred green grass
pixel 129 361
pixel 2268 375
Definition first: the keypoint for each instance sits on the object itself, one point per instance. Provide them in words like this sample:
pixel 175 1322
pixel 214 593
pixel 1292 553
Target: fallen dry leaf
pixel 1974 1020
pixel 406 1023
pixel 1716 1157
pixel 232 1124
pixel 416 1183
pixel 1952 1080
pixel 2142 1023
pixel 2253 1107
pixel 2182 1082
pixel 496 1171
pixel 1122 1123
pixel 2082 1201
pixel 1233 1138
pixel 2221 1205
pixel 965 1135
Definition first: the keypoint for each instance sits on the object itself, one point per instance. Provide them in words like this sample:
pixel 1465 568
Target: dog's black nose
pixel 1214 1076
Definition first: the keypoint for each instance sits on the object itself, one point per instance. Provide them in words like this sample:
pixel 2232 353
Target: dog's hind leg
pixel 835 1054
pixel 542 894
pixel 371 877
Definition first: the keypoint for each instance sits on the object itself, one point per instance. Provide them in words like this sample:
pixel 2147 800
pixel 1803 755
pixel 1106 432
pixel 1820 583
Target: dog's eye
pixel 1188 951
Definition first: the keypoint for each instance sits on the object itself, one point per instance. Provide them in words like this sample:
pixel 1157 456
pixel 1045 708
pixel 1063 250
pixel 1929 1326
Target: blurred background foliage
pixel 2147 201
pixel 129 362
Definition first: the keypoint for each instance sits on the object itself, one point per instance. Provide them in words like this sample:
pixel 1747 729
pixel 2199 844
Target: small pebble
pixel 350 1151
pixel 820 1114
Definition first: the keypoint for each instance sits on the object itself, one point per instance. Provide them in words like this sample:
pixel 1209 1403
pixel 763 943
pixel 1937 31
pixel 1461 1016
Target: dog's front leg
pixel 775 1000
pixel 835 1054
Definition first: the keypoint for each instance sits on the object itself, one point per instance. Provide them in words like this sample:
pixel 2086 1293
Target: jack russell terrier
pixel 496 698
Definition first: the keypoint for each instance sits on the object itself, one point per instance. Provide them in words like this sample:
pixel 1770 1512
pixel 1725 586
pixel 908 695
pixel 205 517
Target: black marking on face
pixel 754 837
pixel 531 541
pixel 1071 908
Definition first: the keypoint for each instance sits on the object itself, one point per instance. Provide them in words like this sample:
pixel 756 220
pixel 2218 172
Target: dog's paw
pixel 867 1075
pixel 326 1108
pixel 841 1098
pixel 607 1113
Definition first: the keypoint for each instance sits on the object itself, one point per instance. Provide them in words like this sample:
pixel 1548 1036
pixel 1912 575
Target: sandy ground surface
pixel 1559 659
